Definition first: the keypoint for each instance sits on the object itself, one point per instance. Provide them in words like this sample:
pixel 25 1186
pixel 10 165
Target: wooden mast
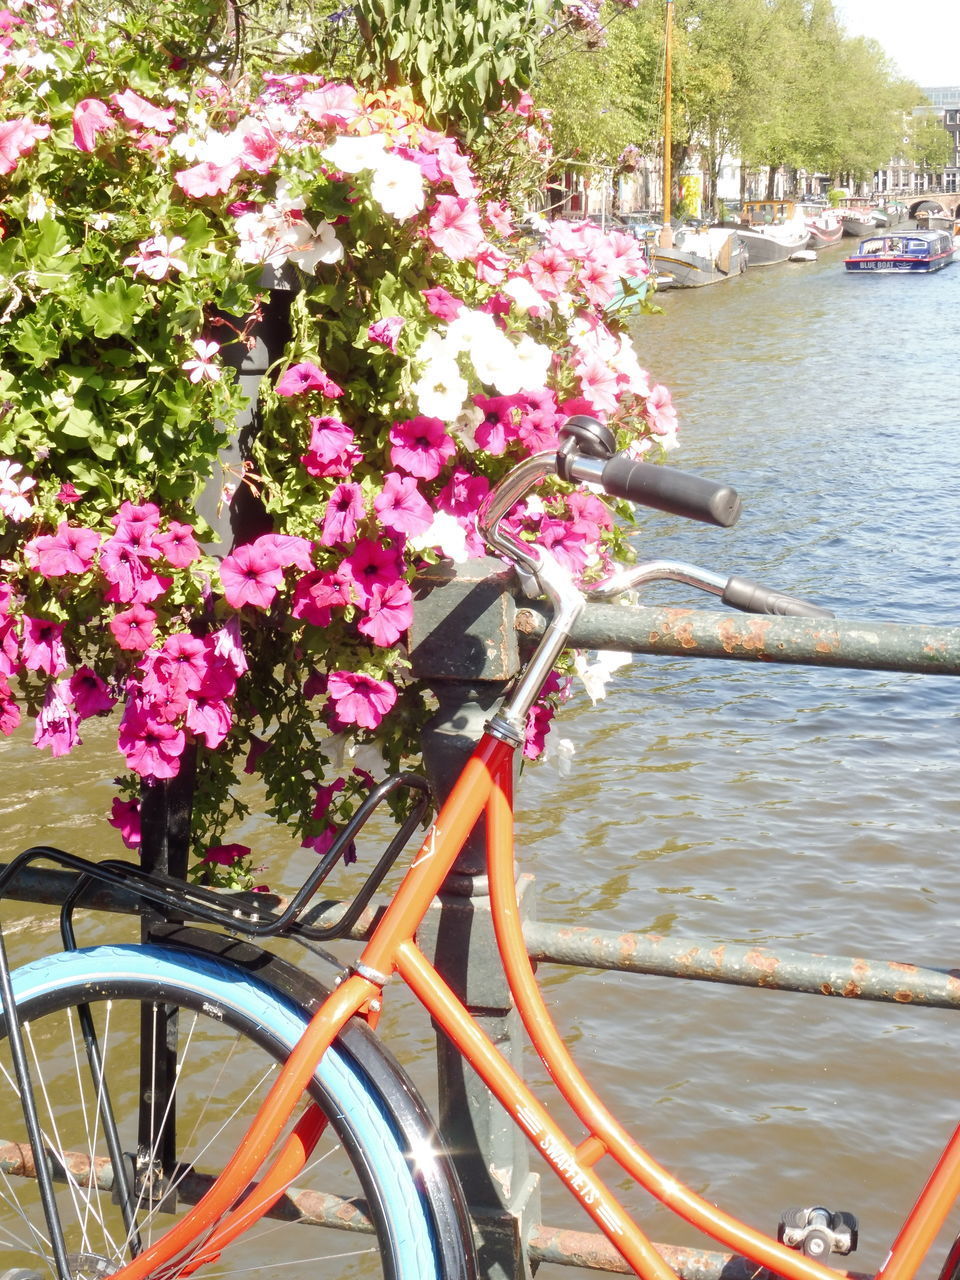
pixel 666 233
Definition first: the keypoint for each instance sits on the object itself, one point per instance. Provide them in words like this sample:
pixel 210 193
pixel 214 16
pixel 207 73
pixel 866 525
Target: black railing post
pixel 463 645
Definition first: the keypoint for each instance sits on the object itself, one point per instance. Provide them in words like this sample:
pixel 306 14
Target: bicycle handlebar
pixel 664 488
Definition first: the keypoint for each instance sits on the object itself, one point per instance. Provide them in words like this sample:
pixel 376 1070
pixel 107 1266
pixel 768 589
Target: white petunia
pixel 445 534
pixel 397 187
pixel 350 155
pixel 441 390
pixel 596 675
pixel 524 295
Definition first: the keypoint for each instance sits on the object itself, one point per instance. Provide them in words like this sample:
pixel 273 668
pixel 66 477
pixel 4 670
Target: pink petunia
pixel 401 507
pixel 359 699
pixel 386 331
pixel 207 178
pixel 250 575
pixel 306 376
pixel 442 304
pixel 43 646
pixel 389 614
pixel 152 748
pixel 177 545
pixel 254 572
pixel 421 447
pixel 9 711
pixel 90 693
pixel 125 816
pixel 137 110
pixel 17 137
pixel 455 227
pixel 260 149
pixel 57 722
pixel 549 271
pixel 90 117
pixel 133 628
pixel 189 656
pixel 226 855
pixel 370 565
pixel 69 550
pixel 209 718
pixel 315 596
pixel 332 449
pixel 344 508
pixel 660 411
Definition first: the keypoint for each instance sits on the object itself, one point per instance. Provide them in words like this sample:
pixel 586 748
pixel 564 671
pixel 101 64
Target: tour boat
pixel 912 251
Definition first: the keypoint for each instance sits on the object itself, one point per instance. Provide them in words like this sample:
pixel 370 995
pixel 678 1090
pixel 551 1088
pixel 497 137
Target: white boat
pixel 772 230
pixel 698 258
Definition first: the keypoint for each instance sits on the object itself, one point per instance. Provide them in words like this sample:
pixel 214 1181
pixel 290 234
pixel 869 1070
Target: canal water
pixel 814 810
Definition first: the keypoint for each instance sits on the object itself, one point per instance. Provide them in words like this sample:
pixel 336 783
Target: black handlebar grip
pixel 751 597
pixel 670 490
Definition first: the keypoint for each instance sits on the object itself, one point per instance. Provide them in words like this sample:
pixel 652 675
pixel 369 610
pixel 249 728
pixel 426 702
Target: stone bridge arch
pixel 949 202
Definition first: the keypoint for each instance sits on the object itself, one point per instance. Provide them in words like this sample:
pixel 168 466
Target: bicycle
pixel 112 1168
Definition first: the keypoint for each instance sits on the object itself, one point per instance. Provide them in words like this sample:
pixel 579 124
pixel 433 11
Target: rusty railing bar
pixel 704 960
pixel 699 633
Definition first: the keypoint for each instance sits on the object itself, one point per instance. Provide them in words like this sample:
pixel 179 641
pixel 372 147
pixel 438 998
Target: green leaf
pixel 115 309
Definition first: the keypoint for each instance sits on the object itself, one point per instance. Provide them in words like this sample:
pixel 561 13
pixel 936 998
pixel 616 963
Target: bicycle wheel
pixel 223 1036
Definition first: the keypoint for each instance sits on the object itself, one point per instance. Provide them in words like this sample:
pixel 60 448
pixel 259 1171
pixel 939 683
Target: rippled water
pixel 815 810
pixel 810 809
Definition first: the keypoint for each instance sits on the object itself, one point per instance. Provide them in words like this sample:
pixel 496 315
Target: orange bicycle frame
pixel 486 788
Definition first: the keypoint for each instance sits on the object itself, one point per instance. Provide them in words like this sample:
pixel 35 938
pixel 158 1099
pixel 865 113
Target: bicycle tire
pixel 228 1018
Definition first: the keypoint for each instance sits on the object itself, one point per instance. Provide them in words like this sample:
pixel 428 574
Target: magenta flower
pixel 359 699
pixel 177 545
pixel 401 507
pixel 152 747
pixel 370 565
pixel 90 117
pixel 315 595
pixel 133 628
pixel 68 494
pixel 226 855
pixel 251 575
pixel 69 550
pixel 421 447
pixel 89 694
pixel 288 550
pixel 500 425
pixel 208 718
pixel 332 449
pixel 307 376
pixel 43 646
pixel 188 655
pixel 455 227
pixel 386 331
pixel 228 647
pixel 442 304
pixel 344 509
pixel 389 614
pixel 137 110
pixel 57 722
pixel 125 816
pixel 9 711
pixel 122 567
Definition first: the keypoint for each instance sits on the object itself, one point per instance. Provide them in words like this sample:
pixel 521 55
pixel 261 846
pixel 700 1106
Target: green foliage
pixel 460 60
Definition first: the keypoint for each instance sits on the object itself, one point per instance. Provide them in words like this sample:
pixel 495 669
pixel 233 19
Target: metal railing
pixel 465 645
